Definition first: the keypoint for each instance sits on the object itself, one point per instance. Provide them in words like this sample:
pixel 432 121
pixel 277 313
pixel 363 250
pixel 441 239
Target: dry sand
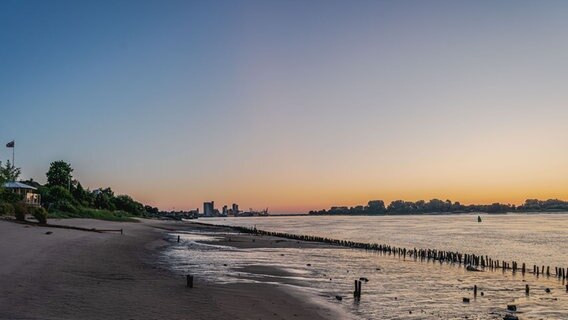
pixel 71 274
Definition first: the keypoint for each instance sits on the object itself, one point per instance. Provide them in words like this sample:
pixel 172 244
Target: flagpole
pixel 13 152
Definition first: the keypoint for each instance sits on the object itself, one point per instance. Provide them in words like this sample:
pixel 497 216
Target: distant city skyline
pixel 288 105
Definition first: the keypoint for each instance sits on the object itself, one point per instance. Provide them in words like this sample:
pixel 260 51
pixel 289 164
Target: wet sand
pixel 72 274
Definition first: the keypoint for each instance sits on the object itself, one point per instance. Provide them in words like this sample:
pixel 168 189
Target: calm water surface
pixel 397 288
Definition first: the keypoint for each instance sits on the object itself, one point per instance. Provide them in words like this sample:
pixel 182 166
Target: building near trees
pixel 29 193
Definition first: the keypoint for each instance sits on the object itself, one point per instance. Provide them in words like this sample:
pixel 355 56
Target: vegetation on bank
pixel 401 207
pixel 64 197
pixel 90 213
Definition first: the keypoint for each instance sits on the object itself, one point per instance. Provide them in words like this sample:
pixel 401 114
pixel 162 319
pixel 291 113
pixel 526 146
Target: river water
pixel 403 288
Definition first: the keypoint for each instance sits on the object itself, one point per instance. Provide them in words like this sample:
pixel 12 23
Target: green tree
pixel 103 198
pixel 376 207
pixel 55 197
pixel 81 195
pixel 151 210
pixel 59 174
pixel 8 172
pixel 59 193
pixel 126 203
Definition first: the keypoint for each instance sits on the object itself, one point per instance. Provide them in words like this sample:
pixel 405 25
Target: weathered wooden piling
pixel 468 260
pixel 357 291
pixel 178 238
pixel 527 289
pixel 475 290
pixel 189 279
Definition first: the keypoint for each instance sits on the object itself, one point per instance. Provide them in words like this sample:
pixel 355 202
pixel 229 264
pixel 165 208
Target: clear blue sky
pixel 291 105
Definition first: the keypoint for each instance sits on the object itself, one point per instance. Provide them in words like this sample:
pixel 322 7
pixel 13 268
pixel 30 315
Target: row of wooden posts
pixel 358 287
pixel 467 260
pixel 422 254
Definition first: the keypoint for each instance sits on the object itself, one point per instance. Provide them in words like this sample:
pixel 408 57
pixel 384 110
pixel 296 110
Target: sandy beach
pixel 72 274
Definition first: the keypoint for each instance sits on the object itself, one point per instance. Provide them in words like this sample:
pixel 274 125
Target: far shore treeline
pixel 401 207
pixel 64 197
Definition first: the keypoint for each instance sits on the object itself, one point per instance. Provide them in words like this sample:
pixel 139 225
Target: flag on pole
pixel 11 144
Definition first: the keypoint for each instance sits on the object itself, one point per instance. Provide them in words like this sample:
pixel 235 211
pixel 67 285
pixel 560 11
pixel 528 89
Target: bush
pixel 9 196
pixel 90 213
pixel 64 206
pixel 6 209
pixel 21 210
pixel 127 204
pixel 40 214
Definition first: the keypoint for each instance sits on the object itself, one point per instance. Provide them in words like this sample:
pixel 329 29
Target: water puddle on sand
pixel 396 288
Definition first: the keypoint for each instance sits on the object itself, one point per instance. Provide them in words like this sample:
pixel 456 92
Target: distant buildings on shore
pixel 210 211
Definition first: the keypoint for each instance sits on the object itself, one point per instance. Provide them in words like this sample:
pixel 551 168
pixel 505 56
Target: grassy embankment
pixel 89 213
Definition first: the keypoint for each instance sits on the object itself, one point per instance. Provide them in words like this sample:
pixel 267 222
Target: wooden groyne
pixel 471 262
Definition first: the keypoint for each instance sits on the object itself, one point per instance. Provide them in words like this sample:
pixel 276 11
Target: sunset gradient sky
pixel 290 105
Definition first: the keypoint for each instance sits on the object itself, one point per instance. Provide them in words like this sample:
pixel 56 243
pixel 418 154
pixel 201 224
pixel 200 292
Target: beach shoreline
pixel 50 273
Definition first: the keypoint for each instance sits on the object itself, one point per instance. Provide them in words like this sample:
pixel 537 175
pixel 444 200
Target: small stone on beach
pixel 49 232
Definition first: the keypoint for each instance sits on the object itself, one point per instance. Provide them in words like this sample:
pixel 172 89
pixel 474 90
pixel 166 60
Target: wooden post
pixel 178 238
pixel 189 281
pixel 356 290
pixel 120 231
pixel 527 289
pixel 475 290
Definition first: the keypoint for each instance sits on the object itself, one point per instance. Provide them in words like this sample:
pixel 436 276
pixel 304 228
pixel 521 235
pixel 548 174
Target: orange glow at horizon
pixel 476 172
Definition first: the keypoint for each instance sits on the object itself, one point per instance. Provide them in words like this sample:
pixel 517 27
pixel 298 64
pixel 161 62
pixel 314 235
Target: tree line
pixel 401 207
pixel 64 195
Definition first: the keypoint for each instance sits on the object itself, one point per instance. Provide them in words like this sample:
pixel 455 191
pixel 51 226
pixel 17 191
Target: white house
pixel 29 192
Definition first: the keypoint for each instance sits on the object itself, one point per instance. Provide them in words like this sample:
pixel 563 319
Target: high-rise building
pixel 225 210
pixel 235 209
pixel 209 209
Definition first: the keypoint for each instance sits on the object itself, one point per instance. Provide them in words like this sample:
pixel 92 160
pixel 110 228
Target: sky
pixel 290 105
